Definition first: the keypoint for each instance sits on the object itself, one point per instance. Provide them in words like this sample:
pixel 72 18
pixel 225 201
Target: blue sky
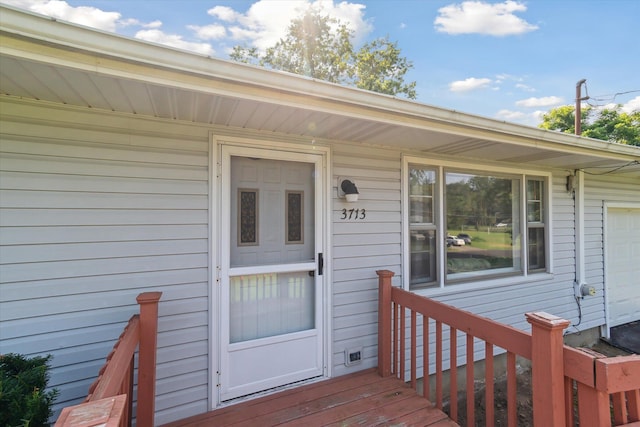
pixel 510 60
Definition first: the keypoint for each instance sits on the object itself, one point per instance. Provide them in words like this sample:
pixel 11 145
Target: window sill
pixel 480 285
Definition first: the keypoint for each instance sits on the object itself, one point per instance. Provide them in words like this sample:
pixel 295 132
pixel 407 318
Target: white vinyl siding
pixel 360 247
pixel 507 301
pixel 96 208
pixel 600 189
pixel 552 293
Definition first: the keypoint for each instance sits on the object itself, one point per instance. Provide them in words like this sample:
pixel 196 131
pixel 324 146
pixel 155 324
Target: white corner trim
pixel 579 226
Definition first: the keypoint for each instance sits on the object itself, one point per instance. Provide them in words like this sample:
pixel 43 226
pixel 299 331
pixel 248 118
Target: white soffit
pixel 46 60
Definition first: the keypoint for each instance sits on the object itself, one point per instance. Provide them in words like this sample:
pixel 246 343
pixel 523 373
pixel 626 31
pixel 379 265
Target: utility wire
pixel 631 163
pixel 602 100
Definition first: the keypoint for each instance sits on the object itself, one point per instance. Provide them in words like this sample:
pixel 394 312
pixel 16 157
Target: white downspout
pixel 579 218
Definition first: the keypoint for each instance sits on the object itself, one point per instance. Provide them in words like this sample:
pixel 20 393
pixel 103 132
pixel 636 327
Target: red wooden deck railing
pixel 597 387
pixel 110 397
pixel 557 370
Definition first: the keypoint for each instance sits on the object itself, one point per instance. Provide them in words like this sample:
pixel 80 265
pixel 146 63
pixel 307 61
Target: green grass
pixel 494 239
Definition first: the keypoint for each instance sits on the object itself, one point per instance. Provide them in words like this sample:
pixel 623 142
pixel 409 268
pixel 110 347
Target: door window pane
pixel 266 305
pixel 272 212
pixel 247 217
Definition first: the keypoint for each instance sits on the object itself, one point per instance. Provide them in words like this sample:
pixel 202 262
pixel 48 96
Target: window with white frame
pixel 536 224
pixel 422 225
pixel 465 224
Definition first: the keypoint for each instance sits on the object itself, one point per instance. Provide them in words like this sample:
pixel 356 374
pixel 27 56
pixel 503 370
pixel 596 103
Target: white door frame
pixel 216 231
pixel 610 205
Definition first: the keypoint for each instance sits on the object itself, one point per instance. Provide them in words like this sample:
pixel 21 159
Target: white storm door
pixel 623 268
pixel 271 270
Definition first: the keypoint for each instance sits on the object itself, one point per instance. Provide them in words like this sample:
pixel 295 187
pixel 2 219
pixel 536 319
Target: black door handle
pixel 320 264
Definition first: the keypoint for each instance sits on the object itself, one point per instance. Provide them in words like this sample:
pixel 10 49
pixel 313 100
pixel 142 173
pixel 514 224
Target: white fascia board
pixel 251 82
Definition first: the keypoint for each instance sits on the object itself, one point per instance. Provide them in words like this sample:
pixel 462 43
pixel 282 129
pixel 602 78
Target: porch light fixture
pixel 348 190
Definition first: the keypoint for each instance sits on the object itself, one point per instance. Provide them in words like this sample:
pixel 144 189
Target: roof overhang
pixel 44 59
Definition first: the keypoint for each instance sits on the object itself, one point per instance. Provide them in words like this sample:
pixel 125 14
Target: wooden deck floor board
pixel 353 408
pixel 391 413
pixel 324 405
pixel 303 393
pixel 363 398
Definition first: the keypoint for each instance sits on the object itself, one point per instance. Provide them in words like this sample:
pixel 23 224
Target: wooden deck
pixel 363 399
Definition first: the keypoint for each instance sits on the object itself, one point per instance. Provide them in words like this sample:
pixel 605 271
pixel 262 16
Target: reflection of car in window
pixel 453 240
pixel 465 237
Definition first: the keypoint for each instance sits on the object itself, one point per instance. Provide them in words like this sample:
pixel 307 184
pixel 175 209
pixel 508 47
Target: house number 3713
pixel 353 214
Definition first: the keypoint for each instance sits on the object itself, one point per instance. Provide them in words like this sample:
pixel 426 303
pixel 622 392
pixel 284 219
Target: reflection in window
pixel 486 207
pixel 464 225
pixel 422 229
pixel 535 224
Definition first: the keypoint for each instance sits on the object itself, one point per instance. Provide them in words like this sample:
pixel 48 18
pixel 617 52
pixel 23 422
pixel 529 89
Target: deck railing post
pixel 547 366
pixel 148 302
pixel 384 322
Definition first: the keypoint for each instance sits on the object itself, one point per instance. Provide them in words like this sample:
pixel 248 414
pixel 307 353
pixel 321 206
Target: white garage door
pixel 623 265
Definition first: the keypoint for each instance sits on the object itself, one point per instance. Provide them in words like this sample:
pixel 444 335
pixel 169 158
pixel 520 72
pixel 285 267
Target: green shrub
pixel 23 399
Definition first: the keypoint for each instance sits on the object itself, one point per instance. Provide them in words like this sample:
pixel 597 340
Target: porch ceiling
pixel 51 61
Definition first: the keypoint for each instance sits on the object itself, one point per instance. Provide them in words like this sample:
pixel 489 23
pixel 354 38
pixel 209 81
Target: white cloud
pixel 110 21
pixel 132 22
pixel 83 15
pixel 632 106
pixel 261 26
pixel 524 87
pixel 174 40
pixel 153 24
pixel 478 17
pixel 224 13
pixel 502 77
pixel 469 84
pixel 545 101
pixel 509 115
pixel 209 32
pixel 529 119
pixel 239 33
pixel 517 81
pixel 266 22
pixel 538 115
